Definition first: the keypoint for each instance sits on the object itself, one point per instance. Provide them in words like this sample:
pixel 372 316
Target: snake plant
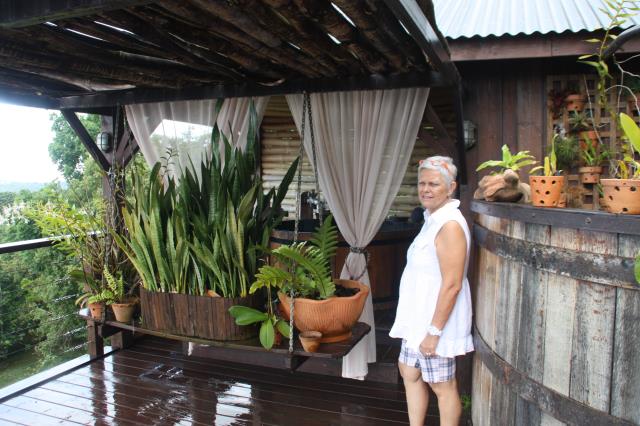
pixel 192 235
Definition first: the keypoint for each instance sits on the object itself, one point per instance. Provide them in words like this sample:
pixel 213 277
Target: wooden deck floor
pixel 153 383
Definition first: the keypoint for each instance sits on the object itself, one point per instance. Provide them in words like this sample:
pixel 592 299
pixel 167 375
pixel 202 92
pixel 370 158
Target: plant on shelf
pixel 622 193
pixel 566 150
pixel 503 184
pixel 546 189
pixel 592 155
pixel 509 161
pixel 84 230
pixel 303 269
pixel 123 302
pixel 636 268
pixel 201 235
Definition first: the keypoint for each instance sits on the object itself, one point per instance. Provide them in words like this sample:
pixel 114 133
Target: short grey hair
pixel 441 164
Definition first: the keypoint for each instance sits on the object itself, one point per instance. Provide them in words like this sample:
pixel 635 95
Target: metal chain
pixel 307 99
pixel 296 226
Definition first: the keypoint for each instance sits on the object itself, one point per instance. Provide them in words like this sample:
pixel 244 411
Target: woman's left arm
pixel 451 248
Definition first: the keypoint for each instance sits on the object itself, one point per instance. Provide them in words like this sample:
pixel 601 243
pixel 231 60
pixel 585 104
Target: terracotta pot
pixel 590 174
pixel 310 340
pixel 545 190
pixel 575 102
pixel 97 309
pixel 124 311
pixel 333 317
pixel 621 195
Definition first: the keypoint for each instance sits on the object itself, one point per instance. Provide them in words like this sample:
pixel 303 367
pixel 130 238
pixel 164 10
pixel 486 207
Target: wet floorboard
pixel 153 383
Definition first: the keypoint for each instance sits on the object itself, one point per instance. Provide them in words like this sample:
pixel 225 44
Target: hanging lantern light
pixel 104 142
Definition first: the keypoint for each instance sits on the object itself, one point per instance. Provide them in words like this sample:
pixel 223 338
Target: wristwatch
pixel 434 331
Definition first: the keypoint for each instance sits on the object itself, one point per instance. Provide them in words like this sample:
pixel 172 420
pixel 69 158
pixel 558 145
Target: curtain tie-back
pixel 358 250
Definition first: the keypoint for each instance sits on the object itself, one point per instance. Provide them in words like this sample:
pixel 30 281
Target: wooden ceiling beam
pixel 413 18
pixel 86 139
pixel 200 18
pixel 329 84
pixel 11 96
pixel 24 13
pixel 324 15
pixel 305 34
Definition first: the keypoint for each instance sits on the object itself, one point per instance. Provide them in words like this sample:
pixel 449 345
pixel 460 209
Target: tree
pixel 66 150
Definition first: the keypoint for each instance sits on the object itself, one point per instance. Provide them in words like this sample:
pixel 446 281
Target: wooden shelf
pixel 326 350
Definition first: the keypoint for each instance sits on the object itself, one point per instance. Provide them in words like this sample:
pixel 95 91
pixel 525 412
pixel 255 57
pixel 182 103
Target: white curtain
pixel 184 128
pixel 363 144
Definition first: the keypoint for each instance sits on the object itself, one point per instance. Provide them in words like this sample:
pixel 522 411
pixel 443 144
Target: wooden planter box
pixel 196 316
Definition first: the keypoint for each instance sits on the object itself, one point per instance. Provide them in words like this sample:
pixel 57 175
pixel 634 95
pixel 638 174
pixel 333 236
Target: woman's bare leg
pixel 448 402
pixel 417 394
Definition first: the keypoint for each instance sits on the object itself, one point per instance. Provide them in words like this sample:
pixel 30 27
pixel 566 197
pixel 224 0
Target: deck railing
pixel 44 330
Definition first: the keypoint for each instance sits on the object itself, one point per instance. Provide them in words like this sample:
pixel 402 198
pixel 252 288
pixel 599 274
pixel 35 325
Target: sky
pixel 25 134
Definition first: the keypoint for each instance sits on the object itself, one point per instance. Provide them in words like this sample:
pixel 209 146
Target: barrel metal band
pixel 557 405
pixel 603 269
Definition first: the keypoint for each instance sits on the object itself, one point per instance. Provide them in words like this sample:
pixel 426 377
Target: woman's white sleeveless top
pixel 420 285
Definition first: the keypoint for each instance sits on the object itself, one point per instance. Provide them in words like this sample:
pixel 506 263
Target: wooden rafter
pixel 22 13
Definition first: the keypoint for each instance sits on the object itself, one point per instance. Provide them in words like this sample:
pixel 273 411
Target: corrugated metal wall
pixel 280 145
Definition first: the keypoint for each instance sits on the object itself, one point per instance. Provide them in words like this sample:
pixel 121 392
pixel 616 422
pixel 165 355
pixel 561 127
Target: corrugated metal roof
pixel 471 18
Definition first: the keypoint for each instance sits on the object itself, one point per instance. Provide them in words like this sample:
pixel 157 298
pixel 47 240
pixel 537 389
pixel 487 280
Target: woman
pixel 434 309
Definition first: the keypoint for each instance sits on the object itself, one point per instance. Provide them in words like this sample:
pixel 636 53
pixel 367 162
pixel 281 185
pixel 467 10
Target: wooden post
pixel 96 344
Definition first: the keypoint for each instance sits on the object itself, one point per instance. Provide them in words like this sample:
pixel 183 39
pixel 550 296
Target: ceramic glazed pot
pixel 590 174
pixel 621 195
pixel 545 190
pixel 333 317
pixel 310 340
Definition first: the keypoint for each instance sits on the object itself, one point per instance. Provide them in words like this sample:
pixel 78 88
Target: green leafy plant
pixel 509 161
pixel 636 268
pixel 592 153
pixel 580 121
pixel 83 230
pixel 550 161
pixel 628 167
pixel 566 149
pixel 192 234
pixel 302 268
pixel 114 292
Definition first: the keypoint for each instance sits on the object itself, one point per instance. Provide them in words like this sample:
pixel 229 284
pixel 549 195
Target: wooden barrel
pixel 557 317
pixel 387 254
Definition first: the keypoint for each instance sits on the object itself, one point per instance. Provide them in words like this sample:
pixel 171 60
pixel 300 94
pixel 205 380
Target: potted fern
pixel 321 303
pixel 123 303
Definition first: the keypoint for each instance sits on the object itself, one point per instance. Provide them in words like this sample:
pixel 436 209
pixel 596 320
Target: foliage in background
pixel 66 150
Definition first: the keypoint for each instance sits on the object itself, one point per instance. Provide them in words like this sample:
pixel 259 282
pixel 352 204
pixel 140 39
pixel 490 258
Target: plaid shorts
pixel 435 369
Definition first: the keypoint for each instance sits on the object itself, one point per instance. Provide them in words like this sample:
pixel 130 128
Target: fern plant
pixel 113 292
pixel 302 268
